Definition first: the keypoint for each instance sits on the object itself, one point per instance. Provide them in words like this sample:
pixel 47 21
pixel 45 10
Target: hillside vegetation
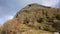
pixel 33 19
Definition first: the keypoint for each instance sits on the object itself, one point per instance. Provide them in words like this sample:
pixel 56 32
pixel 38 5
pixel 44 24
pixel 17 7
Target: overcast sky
pixel 8 8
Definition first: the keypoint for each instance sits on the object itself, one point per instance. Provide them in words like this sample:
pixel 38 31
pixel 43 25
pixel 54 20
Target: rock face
pixel 34 17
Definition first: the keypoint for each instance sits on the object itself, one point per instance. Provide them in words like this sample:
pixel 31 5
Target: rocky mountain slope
pixel 33 19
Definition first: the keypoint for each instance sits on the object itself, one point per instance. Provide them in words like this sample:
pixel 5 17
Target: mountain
pixel 34 19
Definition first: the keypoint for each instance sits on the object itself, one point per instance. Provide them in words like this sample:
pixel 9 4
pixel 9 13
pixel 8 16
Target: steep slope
pixel 34 17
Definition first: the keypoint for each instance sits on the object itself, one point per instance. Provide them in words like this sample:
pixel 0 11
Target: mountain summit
pixel 34 19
